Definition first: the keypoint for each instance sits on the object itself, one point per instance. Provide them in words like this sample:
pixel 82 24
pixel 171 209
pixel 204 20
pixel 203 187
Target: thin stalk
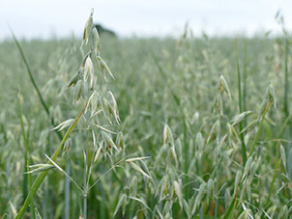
pixel 274 180
pixel 217 177
pixel 286 108
pixel 25 181
pixel 67 191
pixel 243 148
pixel 59 134
pixel 286 93
pixel 84 205
pixel 244 77
pixel 26 144
pixel 67 182
pixel 186 156
pixel 43 175
pixel 46 198
pixel 84 179
pixel 277 166
pixel 260 126
pixel 259 172
pixel 283 127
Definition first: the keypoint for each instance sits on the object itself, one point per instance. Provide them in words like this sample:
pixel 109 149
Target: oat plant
pixel 96 99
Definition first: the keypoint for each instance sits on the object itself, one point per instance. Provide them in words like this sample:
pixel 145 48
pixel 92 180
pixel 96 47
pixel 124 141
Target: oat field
pixel 105 127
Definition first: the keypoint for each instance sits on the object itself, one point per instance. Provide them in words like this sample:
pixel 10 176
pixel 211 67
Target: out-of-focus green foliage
pixel 197 171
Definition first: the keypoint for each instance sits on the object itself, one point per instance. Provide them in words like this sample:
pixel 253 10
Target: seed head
pixel 103 67
pixel 92 102
pixel 214 130
pixel 272 94
pixel 120 140
pixel 108 140
pixel 80 89
pixel 64 124
pixel 218 105
pixel 95 41
pixel 88 70
pixel 224 86
pixel 167 135
pixel 67 148
pixel 199 141
pixel 73 80
pixel 87 29
pixel 238 118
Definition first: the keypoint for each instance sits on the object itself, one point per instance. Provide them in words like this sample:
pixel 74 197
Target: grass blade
pixel 243 148
pixel 34 83
pixel 43 175
pixel 26 145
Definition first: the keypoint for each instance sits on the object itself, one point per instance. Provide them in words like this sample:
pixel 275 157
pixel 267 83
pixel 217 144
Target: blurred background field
pixel 158 82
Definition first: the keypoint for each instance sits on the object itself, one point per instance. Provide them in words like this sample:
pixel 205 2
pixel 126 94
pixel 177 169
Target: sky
pixel 62 18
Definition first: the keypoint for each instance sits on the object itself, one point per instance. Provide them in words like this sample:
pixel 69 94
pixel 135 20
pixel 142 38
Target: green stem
pixel 84 179
pixel 186 156
pixel 286 95
pixel 26 144
pixel 85 205
pixel 282 129
pixel 286 107
pixel 243 148
pixel 244 78
pixel 260 126
pixel 67 191
pixel 25 181
pixel 273 181
pixel 42 175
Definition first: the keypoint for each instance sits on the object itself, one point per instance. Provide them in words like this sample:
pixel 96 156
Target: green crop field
pixel 106 127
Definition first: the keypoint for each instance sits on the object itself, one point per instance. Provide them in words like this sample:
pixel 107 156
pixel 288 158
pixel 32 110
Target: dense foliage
pixel 178 103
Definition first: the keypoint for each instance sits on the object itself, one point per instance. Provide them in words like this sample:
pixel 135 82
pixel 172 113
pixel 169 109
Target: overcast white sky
pixel 46 18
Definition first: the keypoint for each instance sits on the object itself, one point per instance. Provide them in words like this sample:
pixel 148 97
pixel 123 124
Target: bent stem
pixel 59 134
pixel 43 175
pixel 260 126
